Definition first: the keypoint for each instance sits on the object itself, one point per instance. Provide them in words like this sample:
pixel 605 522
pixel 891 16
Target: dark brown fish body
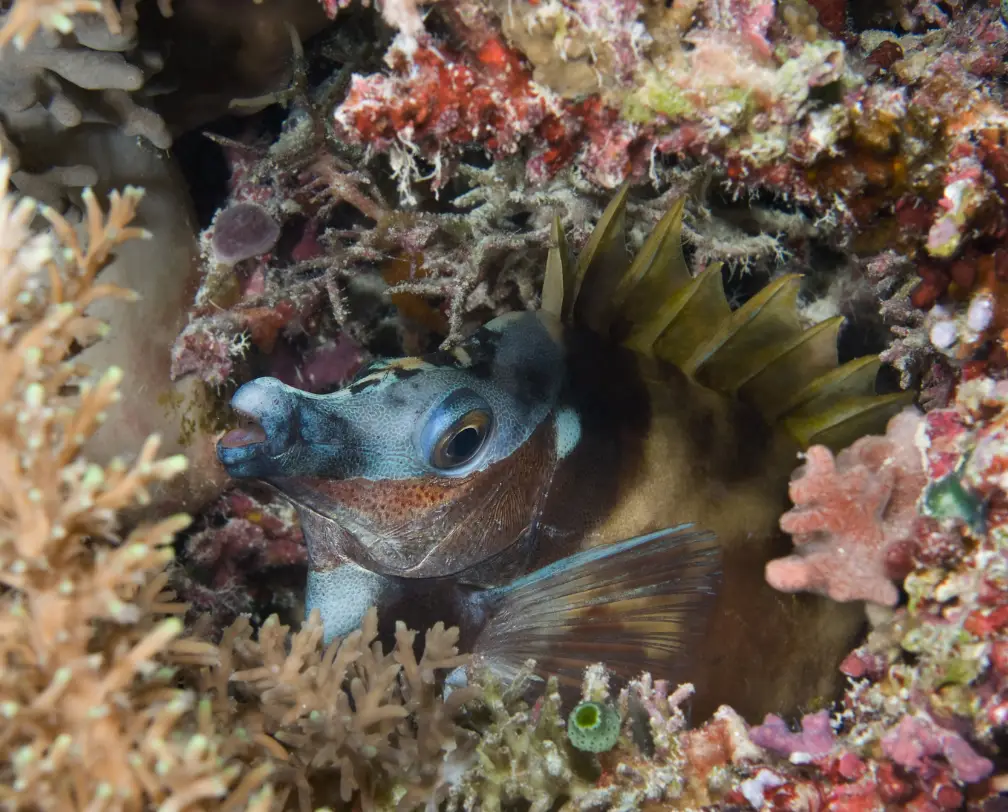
pixel 659 449
pixel 524 485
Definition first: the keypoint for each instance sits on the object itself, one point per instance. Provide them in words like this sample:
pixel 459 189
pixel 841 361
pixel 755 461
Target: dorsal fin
pixel 600 267
pixel 558 283
pixel 759 352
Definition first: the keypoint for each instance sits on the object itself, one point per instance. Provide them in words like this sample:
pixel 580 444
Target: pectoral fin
pixel 634 605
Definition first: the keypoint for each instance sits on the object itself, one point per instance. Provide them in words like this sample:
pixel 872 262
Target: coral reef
pixel 344 722
pixel 410 191
pixel 770 102
pixel 863 141
pixel 925 707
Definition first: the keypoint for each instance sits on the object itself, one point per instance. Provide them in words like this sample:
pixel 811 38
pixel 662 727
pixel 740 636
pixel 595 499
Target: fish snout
pixel 270 411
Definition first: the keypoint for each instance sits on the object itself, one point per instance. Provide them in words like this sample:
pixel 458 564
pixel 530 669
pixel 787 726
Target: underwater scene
pixel 503 405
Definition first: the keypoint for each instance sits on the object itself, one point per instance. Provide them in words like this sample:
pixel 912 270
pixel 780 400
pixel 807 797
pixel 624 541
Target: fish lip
pixel 270 419
pixel 231 442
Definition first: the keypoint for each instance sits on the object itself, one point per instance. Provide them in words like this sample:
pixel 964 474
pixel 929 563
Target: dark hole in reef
pixel 831 93
pixel 478 157
pixel 854 341
pixel 290 235
pixel 206 171
pixel 865 15
pixel 739 288
pixel 438 26
pixel 332 48
pixel 520 220
pixel 204 164
pixel 1000 736
pixel 359 41
pixel 271 120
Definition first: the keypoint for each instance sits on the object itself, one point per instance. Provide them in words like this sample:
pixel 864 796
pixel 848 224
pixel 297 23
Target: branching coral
pixel 91 717
pixel 106 702
pixel 345 719
pixel 853 517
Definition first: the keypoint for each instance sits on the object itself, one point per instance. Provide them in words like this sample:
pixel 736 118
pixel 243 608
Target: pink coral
pixel 815 740
pixel 852 516
pixel 916 739
pixel 249 553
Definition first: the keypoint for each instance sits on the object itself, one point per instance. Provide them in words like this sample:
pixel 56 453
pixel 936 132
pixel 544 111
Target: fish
pixel 596 480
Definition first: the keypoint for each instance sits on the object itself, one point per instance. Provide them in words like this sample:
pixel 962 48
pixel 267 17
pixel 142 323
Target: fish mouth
pixel 268 418
pixel 248 433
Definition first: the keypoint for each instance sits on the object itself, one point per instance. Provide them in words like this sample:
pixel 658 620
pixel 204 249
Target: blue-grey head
pixel 421 467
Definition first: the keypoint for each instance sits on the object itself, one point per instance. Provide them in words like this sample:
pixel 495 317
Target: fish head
pixel 421 467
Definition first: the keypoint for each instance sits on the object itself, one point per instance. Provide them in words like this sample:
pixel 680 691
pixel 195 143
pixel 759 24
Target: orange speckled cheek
pixel 390 502
pixel 394 525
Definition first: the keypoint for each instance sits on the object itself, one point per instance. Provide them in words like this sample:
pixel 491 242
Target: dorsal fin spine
pixel 660 309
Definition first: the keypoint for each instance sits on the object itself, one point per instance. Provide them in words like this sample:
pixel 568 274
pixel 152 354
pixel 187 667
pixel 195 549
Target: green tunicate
pixel 948 499
pixel 593 727
pixel 669 102
pixel 637 111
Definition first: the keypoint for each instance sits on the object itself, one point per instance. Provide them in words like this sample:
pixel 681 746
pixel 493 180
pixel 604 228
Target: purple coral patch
pixel 917 738
pixel 243 231
pixel 816 738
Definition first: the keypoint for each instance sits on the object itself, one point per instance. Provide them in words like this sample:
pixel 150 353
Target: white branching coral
pixel 345 720
pixel 92 717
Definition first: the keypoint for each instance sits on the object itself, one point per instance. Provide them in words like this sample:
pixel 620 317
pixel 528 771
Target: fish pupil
pixel 464 444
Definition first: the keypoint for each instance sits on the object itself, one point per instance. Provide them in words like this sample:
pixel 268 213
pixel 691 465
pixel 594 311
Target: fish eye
pixel 456 431
pixel 462 440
